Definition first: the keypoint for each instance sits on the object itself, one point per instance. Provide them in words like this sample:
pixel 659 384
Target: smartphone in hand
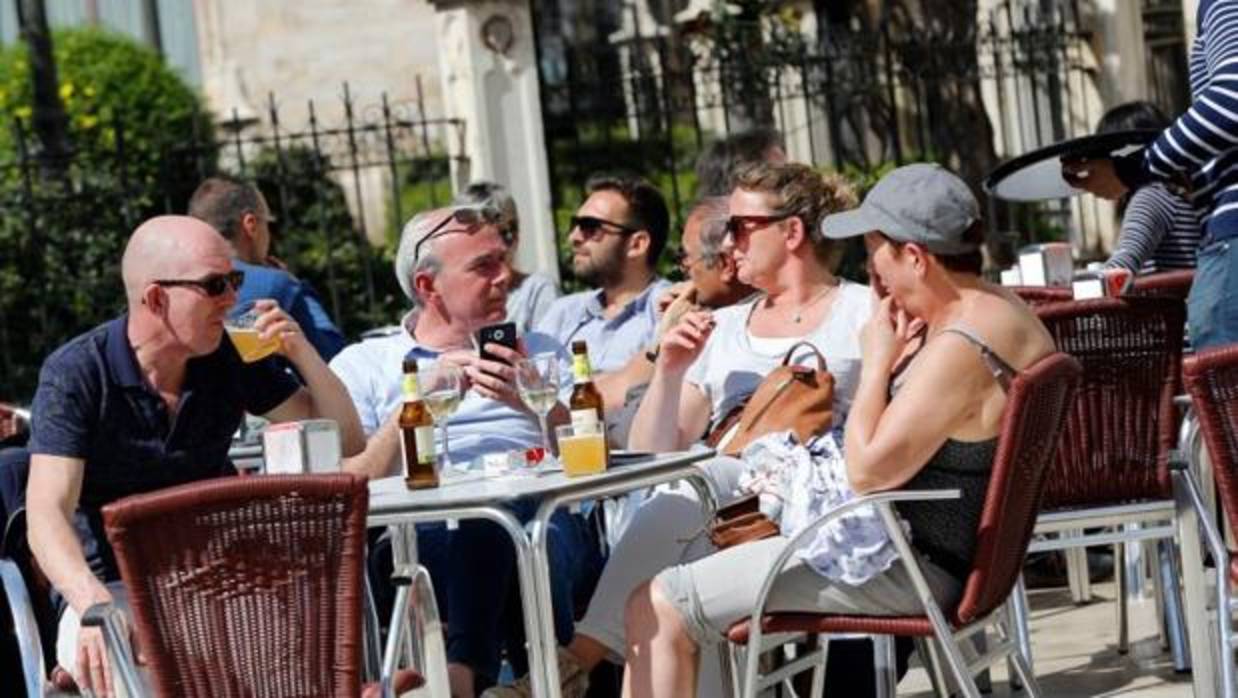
pixel 503 333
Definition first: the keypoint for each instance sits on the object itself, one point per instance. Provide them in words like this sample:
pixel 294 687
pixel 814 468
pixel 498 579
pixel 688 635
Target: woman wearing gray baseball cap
pixel 938 353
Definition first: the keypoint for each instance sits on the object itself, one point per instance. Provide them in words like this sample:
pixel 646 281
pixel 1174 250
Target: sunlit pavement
pixel 1075 651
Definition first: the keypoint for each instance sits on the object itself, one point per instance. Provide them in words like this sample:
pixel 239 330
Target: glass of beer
pixel 244 335
pixel 582 449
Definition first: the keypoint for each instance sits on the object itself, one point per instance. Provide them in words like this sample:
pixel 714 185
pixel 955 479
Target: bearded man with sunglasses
pixel 617 235
pixel 147 401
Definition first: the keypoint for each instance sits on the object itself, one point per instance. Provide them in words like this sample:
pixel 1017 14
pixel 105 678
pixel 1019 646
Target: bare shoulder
pixel 1009 326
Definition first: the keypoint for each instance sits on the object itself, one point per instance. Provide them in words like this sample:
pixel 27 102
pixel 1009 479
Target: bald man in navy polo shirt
pixel 150 400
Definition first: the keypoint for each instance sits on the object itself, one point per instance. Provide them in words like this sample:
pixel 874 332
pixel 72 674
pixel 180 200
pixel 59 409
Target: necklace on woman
pixel 798 316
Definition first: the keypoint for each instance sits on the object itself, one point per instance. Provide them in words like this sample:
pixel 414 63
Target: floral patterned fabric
pixel 798 484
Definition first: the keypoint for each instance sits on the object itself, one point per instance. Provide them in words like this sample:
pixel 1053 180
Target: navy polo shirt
pixel 94 404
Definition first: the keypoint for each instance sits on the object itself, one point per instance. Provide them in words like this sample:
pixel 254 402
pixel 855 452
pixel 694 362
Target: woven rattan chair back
pixel 1170 284
pixel 246 586
pixel 1119 431
pixel 1211 379
pixel 1036 409
pixel 1037 296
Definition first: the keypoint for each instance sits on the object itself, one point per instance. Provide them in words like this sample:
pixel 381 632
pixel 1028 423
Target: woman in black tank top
pixel 937 354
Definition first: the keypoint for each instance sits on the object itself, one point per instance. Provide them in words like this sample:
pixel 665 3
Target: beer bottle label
pixel 580 368
pixel 411 391
pixel 424 437
pixel 585 418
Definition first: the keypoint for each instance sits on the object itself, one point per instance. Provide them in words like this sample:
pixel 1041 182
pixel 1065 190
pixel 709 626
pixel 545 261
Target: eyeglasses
pixel 473 219
pixel 685 263
pixel 214 285
pixel 737 226
pixel 591 226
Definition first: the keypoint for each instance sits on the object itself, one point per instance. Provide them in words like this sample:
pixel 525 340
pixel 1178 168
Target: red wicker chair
pixel 245 586
pixel 1035 411
pixel 1112 464
pixel 1036 296
pixel 1171 284
pixel 1211 380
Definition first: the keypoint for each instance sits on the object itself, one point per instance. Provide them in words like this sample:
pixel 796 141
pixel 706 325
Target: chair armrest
pixel 880 499
pixel 25 627
pixel 1212 536
pixel 1179 460
pixel 107 617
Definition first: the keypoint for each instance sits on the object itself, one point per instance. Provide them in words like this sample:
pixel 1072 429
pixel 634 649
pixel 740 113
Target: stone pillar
pixel 1189 9
pixel 637 24
pixel 1120 51
pixel 488 67
pixel 802 124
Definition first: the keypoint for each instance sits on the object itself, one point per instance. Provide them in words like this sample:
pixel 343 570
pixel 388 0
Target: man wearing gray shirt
pixel 617 235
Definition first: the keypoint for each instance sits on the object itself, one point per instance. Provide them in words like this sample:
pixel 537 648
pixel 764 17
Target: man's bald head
pixel 168 247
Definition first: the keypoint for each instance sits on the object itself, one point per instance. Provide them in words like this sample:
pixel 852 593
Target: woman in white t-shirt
pixel 708 364
pixel 711 361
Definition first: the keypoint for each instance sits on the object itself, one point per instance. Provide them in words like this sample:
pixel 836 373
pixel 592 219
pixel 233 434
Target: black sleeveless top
pixel 944 532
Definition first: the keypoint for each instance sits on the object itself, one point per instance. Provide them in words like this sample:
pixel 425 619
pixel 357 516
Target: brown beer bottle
pixel 416 434
pixel 586 402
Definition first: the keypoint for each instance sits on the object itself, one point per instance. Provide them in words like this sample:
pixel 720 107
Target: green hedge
pixel 130 119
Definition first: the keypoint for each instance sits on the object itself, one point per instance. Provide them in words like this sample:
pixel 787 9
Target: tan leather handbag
pixel 740 521
pixel 796 398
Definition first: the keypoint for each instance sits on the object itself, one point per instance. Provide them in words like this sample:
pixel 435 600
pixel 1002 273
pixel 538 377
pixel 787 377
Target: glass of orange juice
pixel 582 448
pixel 244 335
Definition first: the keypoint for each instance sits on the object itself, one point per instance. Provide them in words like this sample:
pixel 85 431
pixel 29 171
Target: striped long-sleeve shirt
pixel 1160 232
pixel 1202 145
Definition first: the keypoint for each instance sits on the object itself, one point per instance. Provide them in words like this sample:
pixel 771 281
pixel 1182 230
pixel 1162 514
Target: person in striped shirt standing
pixel 1199 153
pixel 1160 229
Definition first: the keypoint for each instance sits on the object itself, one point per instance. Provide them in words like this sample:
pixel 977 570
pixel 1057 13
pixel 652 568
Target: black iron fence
pixel 339 187
pixel 858 95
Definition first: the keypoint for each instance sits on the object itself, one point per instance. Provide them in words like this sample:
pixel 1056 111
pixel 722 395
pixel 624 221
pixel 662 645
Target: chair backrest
pixel 1171 284
pixel 246 586
pixel 1036 296
pixel 1211 379
pixel 1035 412
pixel 1122 424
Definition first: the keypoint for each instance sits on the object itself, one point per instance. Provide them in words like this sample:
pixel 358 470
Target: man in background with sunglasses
pixel 147 401
pixel 617 235
pixel 240 213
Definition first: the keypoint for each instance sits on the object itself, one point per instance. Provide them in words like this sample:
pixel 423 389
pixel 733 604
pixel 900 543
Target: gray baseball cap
pixel 922 203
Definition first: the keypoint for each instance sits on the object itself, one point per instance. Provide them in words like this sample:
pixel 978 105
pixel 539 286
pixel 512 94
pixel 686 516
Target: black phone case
pixel 504 333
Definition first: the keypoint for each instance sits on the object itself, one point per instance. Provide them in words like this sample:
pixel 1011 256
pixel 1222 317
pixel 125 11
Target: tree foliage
pixel 130 119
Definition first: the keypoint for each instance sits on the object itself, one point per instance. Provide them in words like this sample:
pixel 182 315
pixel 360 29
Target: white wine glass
pixel 440 389
pixel 537 378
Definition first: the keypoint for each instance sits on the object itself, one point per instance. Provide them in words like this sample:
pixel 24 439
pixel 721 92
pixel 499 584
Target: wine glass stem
pixel 541 418
pixel 446 447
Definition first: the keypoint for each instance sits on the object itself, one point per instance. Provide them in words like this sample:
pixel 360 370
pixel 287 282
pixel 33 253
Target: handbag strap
pixel 786 360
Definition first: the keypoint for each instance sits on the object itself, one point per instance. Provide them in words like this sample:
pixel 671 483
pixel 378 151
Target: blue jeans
pixel 1212 307
pixel 473 569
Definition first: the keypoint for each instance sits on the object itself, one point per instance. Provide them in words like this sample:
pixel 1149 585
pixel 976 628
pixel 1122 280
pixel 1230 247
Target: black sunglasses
pixel 474 218
pixel 214 285
pixel 592 226
pixel 737 225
